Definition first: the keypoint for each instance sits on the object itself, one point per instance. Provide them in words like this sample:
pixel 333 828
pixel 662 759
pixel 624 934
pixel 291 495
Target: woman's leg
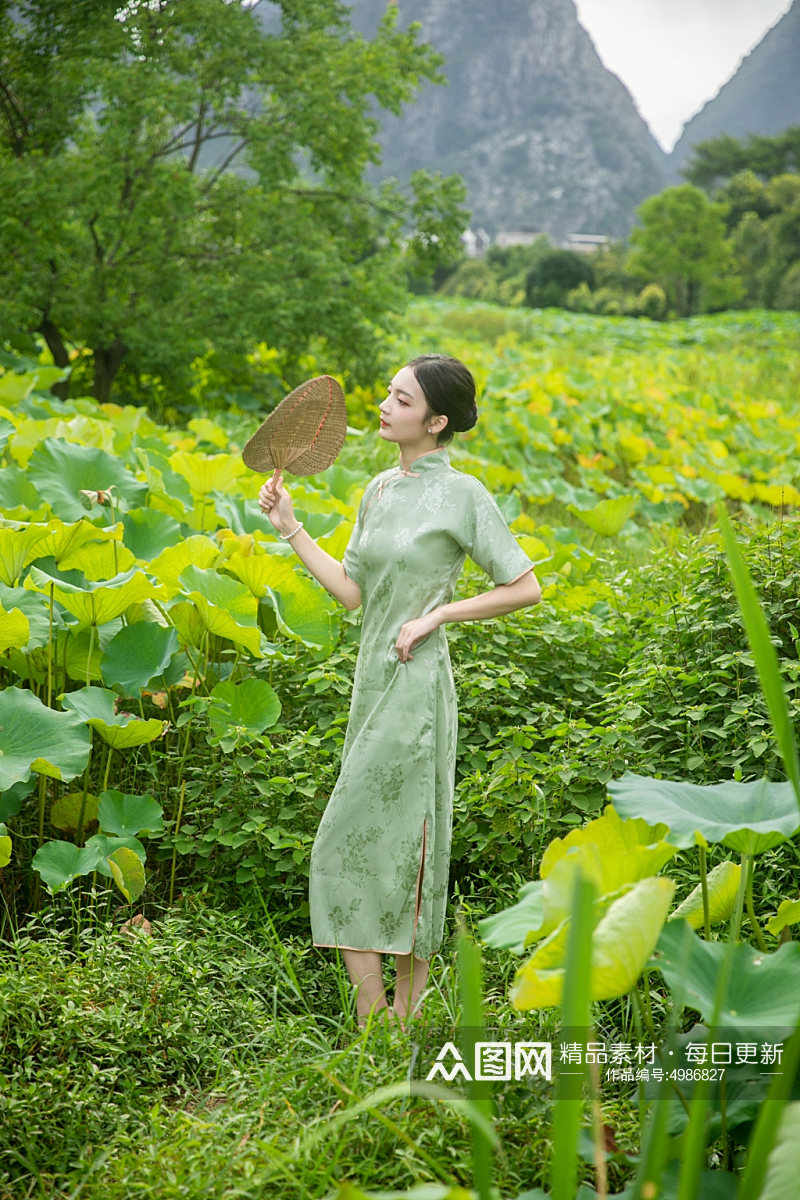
pixel 412 975
pixel 366 974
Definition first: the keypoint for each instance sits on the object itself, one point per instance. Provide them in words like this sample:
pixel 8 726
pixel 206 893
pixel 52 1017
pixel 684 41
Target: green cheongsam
pixel 380 861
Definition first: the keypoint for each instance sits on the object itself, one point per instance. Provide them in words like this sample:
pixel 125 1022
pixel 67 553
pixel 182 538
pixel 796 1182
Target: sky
pixel 674 55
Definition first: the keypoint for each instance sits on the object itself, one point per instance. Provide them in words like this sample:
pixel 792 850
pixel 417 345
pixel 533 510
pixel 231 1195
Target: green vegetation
pixel 178 183
pixel 175 692
pixel 729 238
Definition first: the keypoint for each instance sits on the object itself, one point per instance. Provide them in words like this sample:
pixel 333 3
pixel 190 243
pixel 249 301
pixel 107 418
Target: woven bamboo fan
pixel 304 434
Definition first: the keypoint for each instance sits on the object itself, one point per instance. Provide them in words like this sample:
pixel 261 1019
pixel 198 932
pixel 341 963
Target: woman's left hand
pixel 414 632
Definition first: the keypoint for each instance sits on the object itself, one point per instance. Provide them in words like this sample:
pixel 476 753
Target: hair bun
pixel 466 419
pixel 449 389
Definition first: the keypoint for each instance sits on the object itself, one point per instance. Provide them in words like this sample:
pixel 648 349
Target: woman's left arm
pixel 505 598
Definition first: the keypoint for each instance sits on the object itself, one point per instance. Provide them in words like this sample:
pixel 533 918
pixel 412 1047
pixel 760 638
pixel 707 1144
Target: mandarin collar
pixel 428 460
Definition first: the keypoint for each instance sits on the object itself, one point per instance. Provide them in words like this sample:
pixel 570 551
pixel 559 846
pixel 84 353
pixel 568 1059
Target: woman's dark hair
pixel 449 390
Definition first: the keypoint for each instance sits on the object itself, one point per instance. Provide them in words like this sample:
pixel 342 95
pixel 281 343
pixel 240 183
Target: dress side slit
pixel 420 876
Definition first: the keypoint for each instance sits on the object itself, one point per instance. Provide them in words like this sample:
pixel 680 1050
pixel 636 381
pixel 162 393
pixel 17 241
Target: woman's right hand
pixel 274 500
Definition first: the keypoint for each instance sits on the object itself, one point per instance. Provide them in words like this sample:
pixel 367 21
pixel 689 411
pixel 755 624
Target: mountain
pixel 543 134
pixel 762 97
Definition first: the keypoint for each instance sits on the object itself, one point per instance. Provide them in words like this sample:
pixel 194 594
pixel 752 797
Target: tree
pixel 555 274
pixel 719 159
pixel 681 245
pixel 125 229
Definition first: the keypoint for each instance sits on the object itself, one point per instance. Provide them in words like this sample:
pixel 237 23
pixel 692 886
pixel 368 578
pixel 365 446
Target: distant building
pixel 517 237
pixel 476 242
pixel 584 243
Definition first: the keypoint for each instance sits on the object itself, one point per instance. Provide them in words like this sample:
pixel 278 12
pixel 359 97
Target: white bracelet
pixel 284 537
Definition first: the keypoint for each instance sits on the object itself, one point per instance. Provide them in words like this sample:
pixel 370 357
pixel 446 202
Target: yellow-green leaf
pixel 788 914
pixel 15 629
pixel 607 517
pixel 723 886
pixel 622 942
pixel 128 873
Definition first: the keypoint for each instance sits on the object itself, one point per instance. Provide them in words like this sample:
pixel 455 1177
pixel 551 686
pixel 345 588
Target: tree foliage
pixel 178 175
pixel 718 159
pixel 681 245
pixel 553 275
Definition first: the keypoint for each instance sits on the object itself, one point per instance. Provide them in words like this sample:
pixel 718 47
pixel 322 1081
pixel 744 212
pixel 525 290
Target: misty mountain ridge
pixel 544 135
pixel 762 96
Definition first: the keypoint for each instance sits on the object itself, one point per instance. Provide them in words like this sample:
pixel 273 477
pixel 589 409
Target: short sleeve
pixel 350 559
pixel 488 541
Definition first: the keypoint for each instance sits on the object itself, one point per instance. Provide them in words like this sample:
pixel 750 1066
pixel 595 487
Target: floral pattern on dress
pixel 408 546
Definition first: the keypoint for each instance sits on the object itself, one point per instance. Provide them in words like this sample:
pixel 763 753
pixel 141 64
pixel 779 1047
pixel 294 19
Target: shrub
pixel 652 302
pixel 555 274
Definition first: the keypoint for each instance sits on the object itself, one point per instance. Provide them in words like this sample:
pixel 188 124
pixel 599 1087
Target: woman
pixel 379 864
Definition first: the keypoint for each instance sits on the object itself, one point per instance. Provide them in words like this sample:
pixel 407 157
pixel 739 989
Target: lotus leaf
pixel 121 731
pixel 747 817
pixel 97 603
pixel 251 706
pixel 5 846
pixel 15 629
pixel 783 1164
pixel 189 625
pixel 244 516
pixel 612 853
pixel 104 846
pixel 16 385
pixel 607 517
pixel 36 738
pixel 137 654
pixel 18 497
pixel 65 541
pixel 100 561
pixel 609 851
pixel 723 887
pixel 58 863
pixel 11 798
pixel 510 928
pixel 168 492
pixel 622 943
pixel 209 431
pixel 128 873
pixel 198 551
pixel 788 914
pixel 762 988
pixel 148 532
pixel 302 606
pixel 75 655
pixel 65 813
pixel 335 542
pixel 128 816
pixel 36 610
pixel 208 473
pixel 18 547
pixel 226 608
pixel 61 470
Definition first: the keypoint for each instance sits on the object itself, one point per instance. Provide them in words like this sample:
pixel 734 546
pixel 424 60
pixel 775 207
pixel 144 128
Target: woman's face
pixel 404 411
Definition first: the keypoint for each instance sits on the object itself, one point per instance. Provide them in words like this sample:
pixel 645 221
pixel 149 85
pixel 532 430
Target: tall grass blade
pixel 763 1136
pixel 694 1139
pixel 576 1017
pixel 471 988
pixel 764 653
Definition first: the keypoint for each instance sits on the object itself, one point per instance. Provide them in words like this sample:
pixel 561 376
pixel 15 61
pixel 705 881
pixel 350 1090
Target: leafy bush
pixel 553 275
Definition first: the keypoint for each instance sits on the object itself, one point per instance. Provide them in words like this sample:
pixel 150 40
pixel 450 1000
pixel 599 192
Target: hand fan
pixel 304 434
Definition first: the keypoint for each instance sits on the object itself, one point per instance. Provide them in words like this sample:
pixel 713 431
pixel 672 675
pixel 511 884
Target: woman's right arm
pixel 323 566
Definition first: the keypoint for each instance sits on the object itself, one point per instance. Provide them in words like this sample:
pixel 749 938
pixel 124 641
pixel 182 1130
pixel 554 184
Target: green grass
pixel 207 1060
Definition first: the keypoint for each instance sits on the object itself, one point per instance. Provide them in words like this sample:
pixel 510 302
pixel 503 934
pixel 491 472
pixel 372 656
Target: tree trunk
pixel 60 355
pixel 107 361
